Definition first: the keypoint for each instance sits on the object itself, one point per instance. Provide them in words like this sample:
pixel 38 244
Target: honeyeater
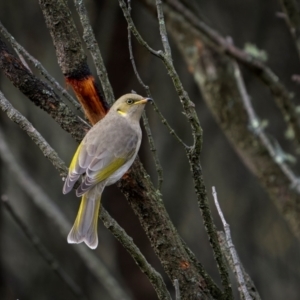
pixel 104 155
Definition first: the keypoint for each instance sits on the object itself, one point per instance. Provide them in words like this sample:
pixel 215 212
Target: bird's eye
pixel 129 101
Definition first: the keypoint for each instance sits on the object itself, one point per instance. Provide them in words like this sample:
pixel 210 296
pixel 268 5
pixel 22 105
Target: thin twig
pixel 43 202
pixel 283 98
pixel 37 138
pixel 240 278
pixel 177 290
pixel 258 129
pixel 166 123
pixel 162 29
pixel 132 27
pixel 22 59
pixel 111 224
pixel 159 54
pixel 292 18
pixel 43 251
pixel 146 87
pixel 153 149
pixel 193 153
pixel 18 48
pixel 211 285
pixel 92 45
pixel 183 96
pixel 249 282
pixel 126 241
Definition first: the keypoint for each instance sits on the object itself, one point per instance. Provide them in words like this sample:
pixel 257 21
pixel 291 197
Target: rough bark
pixel 40 93
pixel 214 74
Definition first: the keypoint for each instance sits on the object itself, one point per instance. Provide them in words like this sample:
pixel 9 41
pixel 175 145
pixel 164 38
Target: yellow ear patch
pixel 122 113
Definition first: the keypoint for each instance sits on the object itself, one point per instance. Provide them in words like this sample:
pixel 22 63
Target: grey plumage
pixel 104 155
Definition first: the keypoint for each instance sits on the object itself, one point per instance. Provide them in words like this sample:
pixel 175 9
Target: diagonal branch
pixel 44 203
pixel 93 47
pixel 137 187
pixel 43 251
pixel 52 211
pixel 237 265
pixel 214 74
pixel 193 153
pixel 153 150
pixel 72 59
pixel 126 241
pixel 40 93
pixel 211 38
pixel 257 128
pixel 37 138
pixel 37 65
pixel 292 17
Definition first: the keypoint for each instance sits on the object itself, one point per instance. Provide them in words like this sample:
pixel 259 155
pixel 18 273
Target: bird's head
pixel 130 106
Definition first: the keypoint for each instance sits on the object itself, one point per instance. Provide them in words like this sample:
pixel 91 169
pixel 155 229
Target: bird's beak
pixel 143 101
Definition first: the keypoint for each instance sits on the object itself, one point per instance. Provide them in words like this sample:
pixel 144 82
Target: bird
pixel 105 154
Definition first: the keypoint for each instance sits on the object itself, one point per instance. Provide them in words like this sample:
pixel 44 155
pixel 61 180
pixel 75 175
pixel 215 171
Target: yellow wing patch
pixel 75 158
pixel 110 169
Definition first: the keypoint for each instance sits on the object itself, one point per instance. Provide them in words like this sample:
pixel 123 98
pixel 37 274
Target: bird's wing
pixel 99 156
pixel 80 161
pixel 102 167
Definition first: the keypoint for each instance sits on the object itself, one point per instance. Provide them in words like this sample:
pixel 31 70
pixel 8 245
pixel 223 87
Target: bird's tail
pixel 86 223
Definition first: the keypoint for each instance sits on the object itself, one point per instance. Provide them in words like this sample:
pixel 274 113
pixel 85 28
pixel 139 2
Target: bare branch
pixel 292 18
pixel 177 290
pixel 42 201
pixel 137 187
pixel 162 29
pixel 93 47
pixel 193 153
pixel 43 251
pixel 240 278
pixel 249 282
pixel 212 38
pixel 72 59
pixel 136 34
pixel 214 72
pixel 126 241
pixel 257 127
pixel 153 150
pixel 37 138
pixel 37 65
pixel 109 222
pixel 40 93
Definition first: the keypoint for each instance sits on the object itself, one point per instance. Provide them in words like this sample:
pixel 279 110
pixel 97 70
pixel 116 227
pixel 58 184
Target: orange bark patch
pixel 184 265
pixel 89 97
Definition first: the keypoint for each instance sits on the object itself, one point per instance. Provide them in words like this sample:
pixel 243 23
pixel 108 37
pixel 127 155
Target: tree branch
pixel 153 150
pixel 236 262
pixel 292 18
pixel 193 153
pixel 43 251
pixel 249 282
pixel 214 74
pixel 215 41
pixel 43 202
pixel 40 93
pixel 137 187
pixel 37 138
pixel 37 65
pixel 126 241
pixel 72 59
pixel 93 47
pixel 108 221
